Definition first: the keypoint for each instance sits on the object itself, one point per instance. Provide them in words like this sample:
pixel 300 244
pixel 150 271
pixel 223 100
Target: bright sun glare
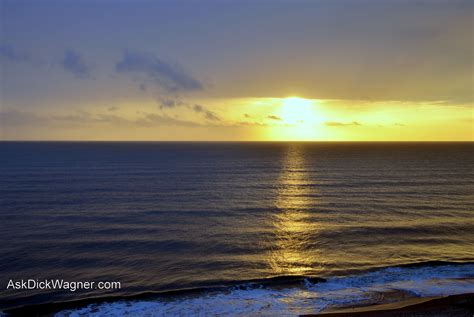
pixel 299 118
pixel 297 111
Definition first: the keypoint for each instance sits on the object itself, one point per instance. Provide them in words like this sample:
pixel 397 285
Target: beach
pixel 454 305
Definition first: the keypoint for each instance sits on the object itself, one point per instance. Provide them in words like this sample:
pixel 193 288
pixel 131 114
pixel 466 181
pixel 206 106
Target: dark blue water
pixel 165 216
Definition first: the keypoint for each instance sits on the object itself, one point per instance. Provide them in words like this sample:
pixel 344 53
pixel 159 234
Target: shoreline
pixel 387 297
pixel 451 305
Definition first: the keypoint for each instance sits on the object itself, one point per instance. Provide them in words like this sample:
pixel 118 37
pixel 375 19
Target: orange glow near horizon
pixel 253 119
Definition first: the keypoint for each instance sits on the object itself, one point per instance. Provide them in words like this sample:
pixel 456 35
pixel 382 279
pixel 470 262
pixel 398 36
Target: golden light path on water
pixel 293 228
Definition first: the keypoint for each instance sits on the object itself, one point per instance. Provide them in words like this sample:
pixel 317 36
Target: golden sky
pixel 337 70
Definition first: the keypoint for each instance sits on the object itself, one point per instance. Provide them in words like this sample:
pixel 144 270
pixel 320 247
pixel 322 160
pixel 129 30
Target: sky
pixel 237 70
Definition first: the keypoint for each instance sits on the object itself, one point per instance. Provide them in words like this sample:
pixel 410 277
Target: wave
pixel 280 295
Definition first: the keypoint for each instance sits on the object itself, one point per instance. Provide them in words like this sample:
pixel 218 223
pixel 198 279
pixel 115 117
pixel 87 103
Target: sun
pixel 300 119
pixel 297 111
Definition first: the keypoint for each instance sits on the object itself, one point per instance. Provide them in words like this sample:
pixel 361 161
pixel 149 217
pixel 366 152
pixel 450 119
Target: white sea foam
pixel 364 288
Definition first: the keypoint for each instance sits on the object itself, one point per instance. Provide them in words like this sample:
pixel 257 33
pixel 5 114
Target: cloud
pixel 275 118
pixel 73 63
pixel 17 118
pixel 152 119
pixel 171 103
pixel 78 117
pixel 249 124
pixel 84 118
pixel 209 115
pixel 81 118
pixel 166 102
pixel 170 77
pixel 341 124
pixel 11 54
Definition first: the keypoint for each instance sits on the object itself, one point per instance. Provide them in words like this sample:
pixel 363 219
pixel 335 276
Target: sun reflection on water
pixel 293 252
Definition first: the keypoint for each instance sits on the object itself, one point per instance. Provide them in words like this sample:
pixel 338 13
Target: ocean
pixel 191 228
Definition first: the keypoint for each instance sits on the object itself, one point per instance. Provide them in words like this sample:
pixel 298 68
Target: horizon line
pixel 250 141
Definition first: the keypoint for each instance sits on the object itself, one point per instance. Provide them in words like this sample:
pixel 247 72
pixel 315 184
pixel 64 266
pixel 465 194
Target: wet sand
pixel 455 305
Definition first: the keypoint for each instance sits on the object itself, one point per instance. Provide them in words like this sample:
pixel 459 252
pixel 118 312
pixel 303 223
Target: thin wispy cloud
pixel 148 68
pixel 74 63
pixel 209 115
pixel 169 103
pixel 15 118
pixel 152 119
pixel 10 53
pixel 272 117
pixel 12 117
pixel 341 124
